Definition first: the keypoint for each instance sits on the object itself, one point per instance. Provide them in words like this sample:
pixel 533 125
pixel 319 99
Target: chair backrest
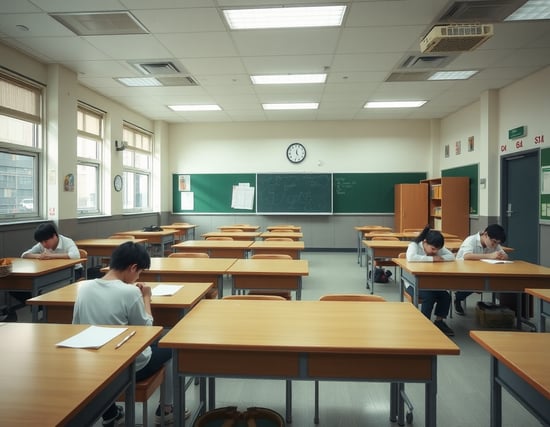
pixel 122 236
pixel 83 253
pixel 453 240
pixel 271 256
pixel 402 255
pixel 219 238
pixel 352 297
pixel 280 239
pixel 188 255
pixel 384 238
pixel 412 230
pixel 232 230
pixel 282 230
pixel 180 223
pixel 256 297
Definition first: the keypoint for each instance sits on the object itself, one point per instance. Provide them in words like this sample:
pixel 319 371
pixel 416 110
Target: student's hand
pixel 437 258
pixel 501 255
pixel 145 290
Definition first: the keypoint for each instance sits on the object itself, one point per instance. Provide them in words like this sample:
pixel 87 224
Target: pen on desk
pixel 125 339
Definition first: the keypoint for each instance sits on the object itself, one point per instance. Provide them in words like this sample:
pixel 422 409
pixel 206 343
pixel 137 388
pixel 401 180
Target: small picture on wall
pixel 471 143
pixel 457 147
pixel 447 151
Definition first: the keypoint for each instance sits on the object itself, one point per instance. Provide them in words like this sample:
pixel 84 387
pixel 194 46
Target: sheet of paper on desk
pixel 496 261
pixel 165 290
pixel 92 337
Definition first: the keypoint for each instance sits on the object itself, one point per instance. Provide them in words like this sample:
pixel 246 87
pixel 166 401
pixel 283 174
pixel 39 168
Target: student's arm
pixel 415 254
pixel 34 252
pixel 445 254
pixel 146 294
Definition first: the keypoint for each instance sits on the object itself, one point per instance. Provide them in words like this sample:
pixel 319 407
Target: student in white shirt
pixel 482 245
pixel 429 247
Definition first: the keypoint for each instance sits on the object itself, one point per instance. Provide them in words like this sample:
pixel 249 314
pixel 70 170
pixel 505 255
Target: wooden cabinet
pixel 449 205
pixel 411 206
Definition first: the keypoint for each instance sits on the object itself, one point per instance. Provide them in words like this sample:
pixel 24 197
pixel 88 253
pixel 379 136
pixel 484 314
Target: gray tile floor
pixel 463 381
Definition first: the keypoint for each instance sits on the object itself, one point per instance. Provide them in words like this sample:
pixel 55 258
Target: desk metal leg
pixel 496 396
pixel 431 397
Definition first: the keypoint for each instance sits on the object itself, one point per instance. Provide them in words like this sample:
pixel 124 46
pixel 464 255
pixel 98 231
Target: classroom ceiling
pixel 379 41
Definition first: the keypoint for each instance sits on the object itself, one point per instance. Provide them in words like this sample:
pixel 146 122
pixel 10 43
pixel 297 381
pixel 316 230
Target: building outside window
pixel 137 169
pixel 21 124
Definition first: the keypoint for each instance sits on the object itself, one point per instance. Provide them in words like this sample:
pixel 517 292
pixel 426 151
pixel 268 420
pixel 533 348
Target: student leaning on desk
pixel 116 299
pixel 482 245
pixel 429 247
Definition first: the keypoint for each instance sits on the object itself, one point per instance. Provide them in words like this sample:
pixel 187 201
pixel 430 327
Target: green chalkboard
pixel 472 172
pixel 369 192
pixel 296 193
pixel 544 190
pixel 211 193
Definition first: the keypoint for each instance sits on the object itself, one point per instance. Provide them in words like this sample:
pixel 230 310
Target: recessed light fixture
pixel 531 10
pixel 452 75
pixel 292 106
pixel 394 104
pixel 139 81
pixel 288 79
pixel 285 17
pixel 195 107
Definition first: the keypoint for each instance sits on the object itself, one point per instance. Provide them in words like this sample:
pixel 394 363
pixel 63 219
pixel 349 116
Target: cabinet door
pixel 411 206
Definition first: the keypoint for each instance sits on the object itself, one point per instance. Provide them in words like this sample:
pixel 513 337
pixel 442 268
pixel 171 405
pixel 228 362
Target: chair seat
pixel 285 294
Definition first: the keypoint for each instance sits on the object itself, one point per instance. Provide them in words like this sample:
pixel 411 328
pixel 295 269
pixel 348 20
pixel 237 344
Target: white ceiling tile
pixel 198 45
pixel 124 47
pixel 189 20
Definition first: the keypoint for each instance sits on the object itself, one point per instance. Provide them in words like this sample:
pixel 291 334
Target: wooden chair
pixel 280 239
pixel 232 230
pixel 84 255
pixel 282 230
pixel 145 389
pixel 341 297
pixel 219 238
pixel 213 291
pixel 284 294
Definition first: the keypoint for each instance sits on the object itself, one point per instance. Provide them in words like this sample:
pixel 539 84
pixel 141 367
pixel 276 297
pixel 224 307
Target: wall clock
pixel 117 183
pixel 296 152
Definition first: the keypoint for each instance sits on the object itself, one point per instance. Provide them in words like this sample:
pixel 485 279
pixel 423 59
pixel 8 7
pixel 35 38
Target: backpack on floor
pixel 381 275
pixel 229 416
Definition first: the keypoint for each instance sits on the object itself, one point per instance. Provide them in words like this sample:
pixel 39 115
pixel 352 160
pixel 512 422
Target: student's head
pixel 432 240
pixel 132 257
pixel 493 236
pixel 46 234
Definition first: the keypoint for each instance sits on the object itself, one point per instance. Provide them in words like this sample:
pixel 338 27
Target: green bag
pixel 230 416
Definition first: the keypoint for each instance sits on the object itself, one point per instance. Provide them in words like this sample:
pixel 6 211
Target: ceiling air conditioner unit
pixel 456 37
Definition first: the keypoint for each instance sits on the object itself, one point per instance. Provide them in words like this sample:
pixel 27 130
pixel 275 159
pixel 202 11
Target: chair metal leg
pixel 316 414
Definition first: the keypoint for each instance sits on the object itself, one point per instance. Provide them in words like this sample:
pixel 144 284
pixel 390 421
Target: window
pixel 89 160
pixel 20 148
pixel 137 162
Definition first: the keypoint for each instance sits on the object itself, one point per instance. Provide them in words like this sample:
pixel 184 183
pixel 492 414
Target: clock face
pixel 296 152
pixel 118 183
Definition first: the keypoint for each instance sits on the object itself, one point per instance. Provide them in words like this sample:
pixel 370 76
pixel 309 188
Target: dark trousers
pixel 441 300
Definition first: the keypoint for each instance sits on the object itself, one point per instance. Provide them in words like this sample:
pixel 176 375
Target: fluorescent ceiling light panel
pixel 452 75
pixel 195 107
pixel 394 104
pixel 289 79
pixel 292 106
pixel 531 10
pixel 285 17
pixel 139 81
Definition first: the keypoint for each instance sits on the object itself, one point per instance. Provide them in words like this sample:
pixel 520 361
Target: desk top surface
pixel 206 244
pixel 105 242
pixel 37 267
pixel 180 226
pixel 324 326
pixel 38 378
pixel 277 244
pixel 524 353
pixel 243 227
pixel 250 234
pixel 474 268
pixel 145 234
pixel 367 228
pixel 190 265
pixel 291 234
pixel 543 294
pixel 284 226
pixel 403 244
pixel 187 296
pixel 282 267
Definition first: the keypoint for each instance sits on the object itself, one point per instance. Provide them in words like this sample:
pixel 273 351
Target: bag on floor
pixel 229 416
pixel 381 275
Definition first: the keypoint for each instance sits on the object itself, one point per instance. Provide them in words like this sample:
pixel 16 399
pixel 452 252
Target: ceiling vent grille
pixel 157 68
pixel 426 62
pixel 101 23
pixel 480 10
pixel 456 37
pixel 411 76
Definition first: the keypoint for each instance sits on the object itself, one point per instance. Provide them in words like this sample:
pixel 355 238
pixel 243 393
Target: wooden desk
pixel 294 235
pixel 167 310
pixel 243 227
pixel 520 364
pixel 44 385
pixel 236 235
pixel 292 248
pixel 391 342
pixel 183 230
pixel 216 248
pixel 389 249
pixel 272 274
pixel 38 276
pixel 477 276
pixel 287 226
pixel 361 230
pixel 543 298
pixel 188 270
pixel 160 239
pixel 103 247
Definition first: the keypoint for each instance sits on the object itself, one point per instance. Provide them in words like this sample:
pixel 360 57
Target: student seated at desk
pixel 482 245
pixel 116 299
pixel 429 247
